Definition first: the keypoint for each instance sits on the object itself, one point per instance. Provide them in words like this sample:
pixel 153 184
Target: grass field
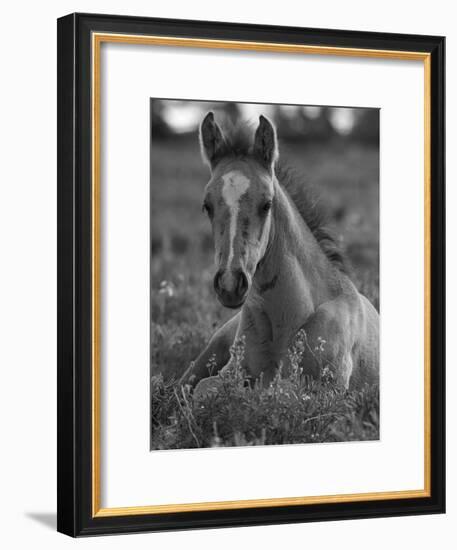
pixel 185 312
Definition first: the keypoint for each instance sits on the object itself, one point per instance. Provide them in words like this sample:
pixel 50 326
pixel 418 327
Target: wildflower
pixel 327 375
pixel 320 344
pixel 167 289
pixel 211 364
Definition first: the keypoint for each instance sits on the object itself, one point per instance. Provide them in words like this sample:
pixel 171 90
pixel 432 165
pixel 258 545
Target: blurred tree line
pixel 294 123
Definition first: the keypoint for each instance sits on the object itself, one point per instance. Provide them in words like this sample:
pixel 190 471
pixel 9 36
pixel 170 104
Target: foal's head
pixel 238 201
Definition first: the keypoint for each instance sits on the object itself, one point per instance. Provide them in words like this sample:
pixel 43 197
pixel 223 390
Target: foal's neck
pixel 295 276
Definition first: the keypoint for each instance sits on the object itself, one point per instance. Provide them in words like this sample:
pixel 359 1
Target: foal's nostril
pixel 217 281
pixel 242 284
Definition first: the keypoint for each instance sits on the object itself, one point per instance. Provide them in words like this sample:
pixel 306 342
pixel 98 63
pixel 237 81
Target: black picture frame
pixel 75 517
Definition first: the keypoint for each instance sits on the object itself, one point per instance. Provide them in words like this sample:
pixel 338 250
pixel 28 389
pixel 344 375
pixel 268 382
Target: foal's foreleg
pixel 215 356
pixel 328 342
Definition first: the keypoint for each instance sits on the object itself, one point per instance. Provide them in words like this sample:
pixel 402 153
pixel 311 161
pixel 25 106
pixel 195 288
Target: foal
pixel 276 263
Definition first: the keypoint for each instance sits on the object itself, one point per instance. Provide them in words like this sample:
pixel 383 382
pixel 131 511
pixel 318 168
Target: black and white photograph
pixel 224 267
pixel 264 274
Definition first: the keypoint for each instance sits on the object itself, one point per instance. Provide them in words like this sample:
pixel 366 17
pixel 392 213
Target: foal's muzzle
pixel 231 287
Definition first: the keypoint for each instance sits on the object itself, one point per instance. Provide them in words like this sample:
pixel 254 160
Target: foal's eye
pixel 208 209
pixel 266 207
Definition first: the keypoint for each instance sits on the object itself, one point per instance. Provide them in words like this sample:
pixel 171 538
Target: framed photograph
pixel 251 274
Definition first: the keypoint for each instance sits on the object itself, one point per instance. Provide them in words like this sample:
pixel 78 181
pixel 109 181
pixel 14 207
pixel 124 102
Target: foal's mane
pixel 238 144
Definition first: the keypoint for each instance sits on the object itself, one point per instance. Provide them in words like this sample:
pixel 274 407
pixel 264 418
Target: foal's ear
pixel 265 143
pixel 212 140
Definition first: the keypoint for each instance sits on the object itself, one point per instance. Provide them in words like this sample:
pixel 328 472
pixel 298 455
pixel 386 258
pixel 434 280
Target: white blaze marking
pixel 235 186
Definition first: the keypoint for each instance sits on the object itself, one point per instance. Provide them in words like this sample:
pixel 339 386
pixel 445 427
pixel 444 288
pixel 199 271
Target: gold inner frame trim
pixel 97 40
